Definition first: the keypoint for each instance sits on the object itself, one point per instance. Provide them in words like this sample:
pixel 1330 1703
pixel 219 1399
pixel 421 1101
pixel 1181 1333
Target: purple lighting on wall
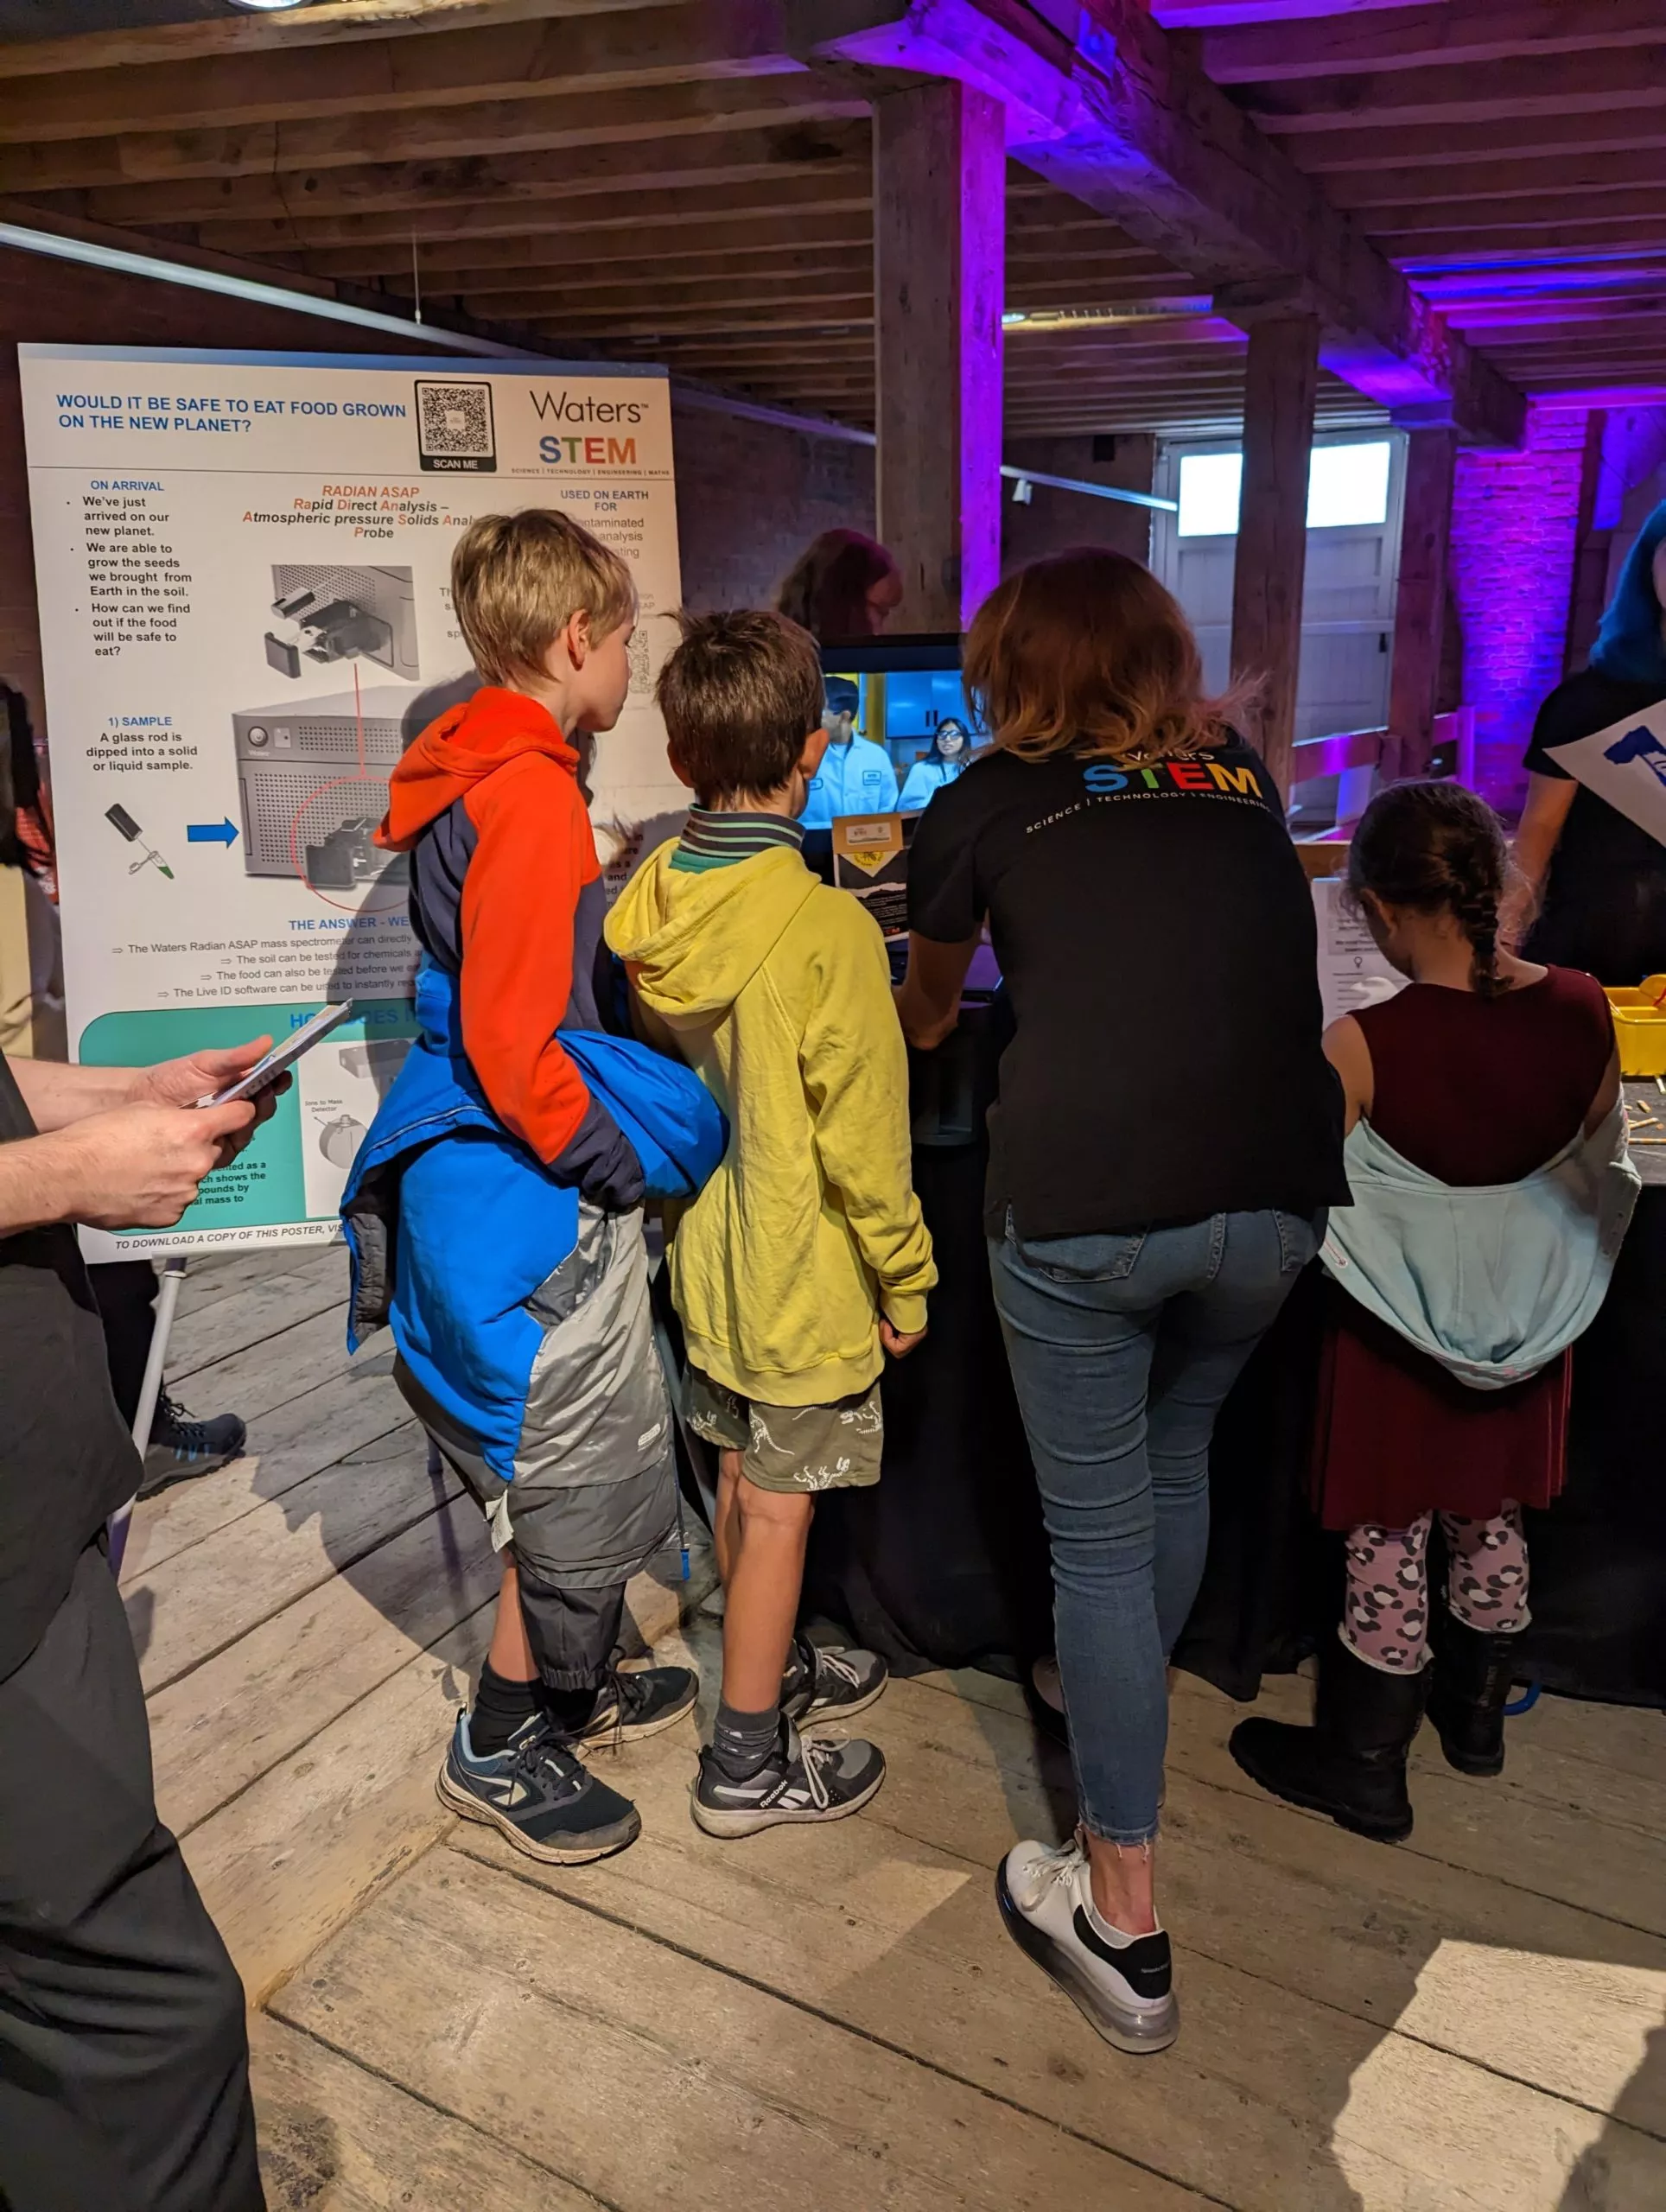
pixel 1515 518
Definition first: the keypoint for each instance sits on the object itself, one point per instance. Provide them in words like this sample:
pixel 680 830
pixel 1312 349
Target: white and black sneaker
pixel 819 1778
pixel 1124 1984
pixel 639 1701
pixel 538 1793
pixel 831 1683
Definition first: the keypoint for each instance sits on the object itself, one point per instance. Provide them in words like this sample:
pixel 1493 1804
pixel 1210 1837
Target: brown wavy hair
pixel 826 589
pixel 1084 652
pixel 1437 848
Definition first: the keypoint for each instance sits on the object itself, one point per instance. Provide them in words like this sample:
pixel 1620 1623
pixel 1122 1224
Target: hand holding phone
pixel 270 1069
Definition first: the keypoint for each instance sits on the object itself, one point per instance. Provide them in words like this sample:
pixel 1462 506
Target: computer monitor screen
pixel 906 689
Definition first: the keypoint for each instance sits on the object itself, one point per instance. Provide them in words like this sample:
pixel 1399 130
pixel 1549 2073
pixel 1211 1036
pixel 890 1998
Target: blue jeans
pixel 1123 1350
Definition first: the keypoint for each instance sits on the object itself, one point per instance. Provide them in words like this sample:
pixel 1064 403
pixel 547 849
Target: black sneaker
pixel 639 1702
pixel 181 1446
pixel 537 1793
pixel 821 1778
pixel 1125 1990
pixel 829 1683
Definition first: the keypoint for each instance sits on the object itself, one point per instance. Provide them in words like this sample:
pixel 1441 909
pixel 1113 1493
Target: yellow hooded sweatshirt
pixel 776 990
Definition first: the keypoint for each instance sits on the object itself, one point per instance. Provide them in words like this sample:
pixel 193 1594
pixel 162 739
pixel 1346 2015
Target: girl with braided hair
pixel 1478 1074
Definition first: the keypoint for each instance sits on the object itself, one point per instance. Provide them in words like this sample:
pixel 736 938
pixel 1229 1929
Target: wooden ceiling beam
pixel 821 188
pixel 745 157
pixel 494 129
pixel 1455 32
pixel 1479 145
pixel 1508 322
pixel 335 24
pixel 1550 175
pixel 843 275
pixel 651 45
pixel 1458 212
pixel 1424 250
pixel 1127 123
pixel 758 240
pixel 1454 94
pixel 791 315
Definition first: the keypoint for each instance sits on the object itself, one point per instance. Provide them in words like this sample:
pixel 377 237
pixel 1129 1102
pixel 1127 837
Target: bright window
pixel 1346 484
pixel 1209 494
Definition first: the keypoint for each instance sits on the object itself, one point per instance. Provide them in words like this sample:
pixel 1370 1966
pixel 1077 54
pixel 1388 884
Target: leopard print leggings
pixel 1385 1616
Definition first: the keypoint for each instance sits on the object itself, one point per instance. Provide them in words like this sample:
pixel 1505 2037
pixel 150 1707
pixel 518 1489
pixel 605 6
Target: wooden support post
pixel 1419 605
pixel 1281 379
pixel 1589 594
pixel 939 216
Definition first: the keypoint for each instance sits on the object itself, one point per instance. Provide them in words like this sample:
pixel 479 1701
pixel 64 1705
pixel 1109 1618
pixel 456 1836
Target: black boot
pixel 1352 1763
pixel 1474 1668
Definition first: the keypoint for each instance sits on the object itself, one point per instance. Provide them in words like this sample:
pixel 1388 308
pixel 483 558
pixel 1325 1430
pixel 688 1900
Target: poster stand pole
pixel 167 1298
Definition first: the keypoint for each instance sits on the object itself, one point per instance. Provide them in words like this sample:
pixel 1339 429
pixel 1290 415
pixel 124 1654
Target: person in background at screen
pixel 1168 1139
pixel 942 764
pixel 1598 879
pixel 855 776
pixel 123 2059
pixel 841 586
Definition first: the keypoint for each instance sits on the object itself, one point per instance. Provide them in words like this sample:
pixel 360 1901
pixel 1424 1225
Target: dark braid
pixel 1437 848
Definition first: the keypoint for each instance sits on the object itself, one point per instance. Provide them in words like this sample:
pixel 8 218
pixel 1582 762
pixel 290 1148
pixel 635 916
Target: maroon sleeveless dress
pixel 1473 1091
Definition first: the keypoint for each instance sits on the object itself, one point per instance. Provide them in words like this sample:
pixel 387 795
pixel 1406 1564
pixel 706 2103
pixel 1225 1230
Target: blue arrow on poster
pixel 211 833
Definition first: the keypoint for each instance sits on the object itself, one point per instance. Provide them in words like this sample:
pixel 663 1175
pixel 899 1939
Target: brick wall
pixel 750 496
pixel 1514 523
pixel 1054 520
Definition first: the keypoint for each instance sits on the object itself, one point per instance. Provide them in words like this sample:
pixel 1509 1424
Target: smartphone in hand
pixel 265 1071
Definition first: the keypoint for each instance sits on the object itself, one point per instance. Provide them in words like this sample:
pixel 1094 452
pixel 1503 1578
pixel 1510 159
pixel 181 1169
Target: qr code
pixel 637 652
pixel 454 426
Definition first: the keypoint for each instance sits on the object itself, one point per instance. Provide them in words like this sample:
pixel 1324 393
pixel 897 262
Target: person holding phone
pixel 124 2058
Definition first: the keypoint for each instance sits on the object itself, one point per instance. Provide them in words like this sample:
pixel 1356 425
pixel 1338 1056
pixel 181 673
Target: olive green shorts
pixel 791 1447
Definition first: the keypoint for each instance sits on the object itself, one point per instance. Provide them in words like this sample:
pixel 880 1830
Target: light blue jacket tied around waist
pixel 1493 1281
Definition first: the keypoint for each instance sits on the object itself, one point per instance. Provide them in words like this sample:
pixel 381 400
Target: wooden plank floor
pixel 832 2021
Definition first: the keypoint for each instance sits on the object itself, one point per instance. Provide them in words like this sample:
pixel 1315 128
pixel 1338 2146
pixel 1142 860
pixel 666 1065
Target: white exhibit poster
pixel 1625 764
pixel 1352 972
pixel 242 564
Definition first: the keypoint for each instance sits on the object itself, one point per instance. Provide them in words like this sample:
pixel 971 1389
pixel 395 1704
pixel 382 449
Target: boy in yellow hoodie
pixel 804 1261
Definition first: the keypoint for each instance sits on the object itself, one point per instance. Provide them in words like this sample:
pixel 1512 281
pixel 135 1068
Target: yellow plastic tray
pixel 1640 1025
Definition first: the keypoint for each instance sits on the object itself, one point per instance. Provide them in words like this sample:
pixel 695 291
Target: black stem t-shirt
pixel 1156 933
pixel 1604 904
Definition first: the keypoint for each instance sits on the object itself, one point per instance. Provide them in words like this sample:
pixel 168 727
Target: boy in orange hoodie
pixel 506 897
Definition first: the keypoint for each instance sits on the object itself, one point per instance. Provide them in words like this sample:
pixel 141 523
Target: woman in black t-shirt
pixel 1168 1138
pixel 1600 878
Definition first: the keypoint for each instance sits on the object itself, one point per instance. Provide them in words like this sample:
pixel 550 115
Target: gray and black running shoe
pixel 831 1683
pixel 538 1793
pixel 639 1701
pixel 819 1778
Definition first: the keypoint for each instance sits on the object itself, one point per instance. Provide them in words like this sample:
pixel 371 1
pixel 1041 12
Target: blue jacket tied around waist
pixel 494 1277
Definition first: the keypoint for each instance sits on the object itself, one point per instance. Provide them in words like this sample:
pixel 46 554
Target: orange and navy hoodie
pixel 506 896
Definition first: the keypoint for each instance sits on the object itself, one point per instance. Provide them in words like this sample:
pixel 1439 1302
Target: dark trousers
pixel 572 1632
pixel 124 2056
pixel 126 1295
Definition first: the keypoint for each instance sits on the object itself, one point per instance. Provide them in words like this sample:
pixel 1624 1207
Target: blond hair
pixel 1086 652
pixel 517 580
